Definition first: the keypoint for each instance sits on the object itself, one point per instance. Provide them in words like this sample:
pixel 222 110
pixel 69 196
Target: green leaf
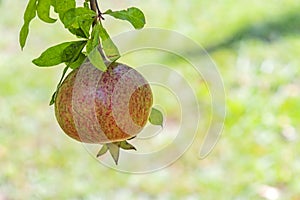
pixel 53 97
pixel 76 61
pixel 110 49
pixel 94 41
pixel 73 65
pixel 73 51
pixel 52 56
pixel 23 35
pixel 62 6
pixel 86 4
pixel 30 13
pixel 52 101
pixel 43 11
pixel 133 15
pixel 53 3
pixel 96 59
pixel 79 20
pixel 58 54
pixel 75 15
pixel 156 117
pixel 81 58
pixel 78 32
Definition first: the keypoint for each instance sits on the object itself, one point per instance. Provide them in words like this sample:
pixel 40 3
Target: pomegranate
pixel 106 108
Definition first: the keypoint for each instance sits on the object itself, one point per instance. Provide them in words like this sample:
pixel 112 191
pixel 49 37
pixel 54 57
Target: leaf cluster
pixel 93 41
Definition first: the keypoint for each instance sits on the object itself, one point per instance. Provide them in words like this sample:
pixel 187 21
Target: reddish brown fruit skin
pixel 102 107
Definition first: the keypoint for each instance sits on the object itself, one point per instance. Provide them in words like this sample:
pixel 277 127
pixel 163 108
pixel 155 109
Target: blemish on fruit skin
pixel 114 126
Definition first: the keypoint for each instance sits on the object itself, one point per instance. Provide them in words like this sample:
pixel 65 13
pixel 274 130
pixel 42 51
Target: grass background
pixel 256 46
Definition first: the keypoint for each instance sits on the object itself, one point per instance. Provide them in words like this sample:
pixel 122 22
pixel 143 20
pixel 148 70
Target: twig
pixel 94 6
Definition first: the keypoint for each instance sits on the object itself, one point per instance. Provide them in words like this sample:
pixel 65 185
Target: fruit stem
pixel 95 7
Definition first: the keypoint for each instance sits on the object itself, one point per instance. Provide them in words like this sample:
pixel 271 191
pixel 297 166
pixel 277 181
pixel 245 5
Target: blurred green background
pixel 255 44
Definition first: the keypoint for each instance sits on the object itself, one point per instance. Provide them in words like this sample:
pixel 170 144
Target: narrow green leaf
pixel 52 101
pixel 75 15
pixel 133 15
pixel 94 41
pixel 96 59
pixel 52 56
pixel 110 49
pixel 78 32
pixel 43 11
pixel 79 18
pixel 73 50
pixel 23 35
pixel 77 63
pixel 77 59
pixel 62 6
pixel 58 54
pixel 156 117
pixel 30 13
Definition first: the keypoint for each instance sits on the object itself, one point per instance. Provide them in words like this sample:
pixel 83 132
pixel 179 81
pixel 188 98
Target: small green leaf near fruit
pixel 96 59
pixel 110 49
pixel 94 41
pixel 156 117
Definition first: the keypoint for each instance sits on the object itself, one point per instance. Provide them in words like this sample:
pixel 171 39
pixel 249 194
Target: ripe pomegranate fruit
pixel 107 108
